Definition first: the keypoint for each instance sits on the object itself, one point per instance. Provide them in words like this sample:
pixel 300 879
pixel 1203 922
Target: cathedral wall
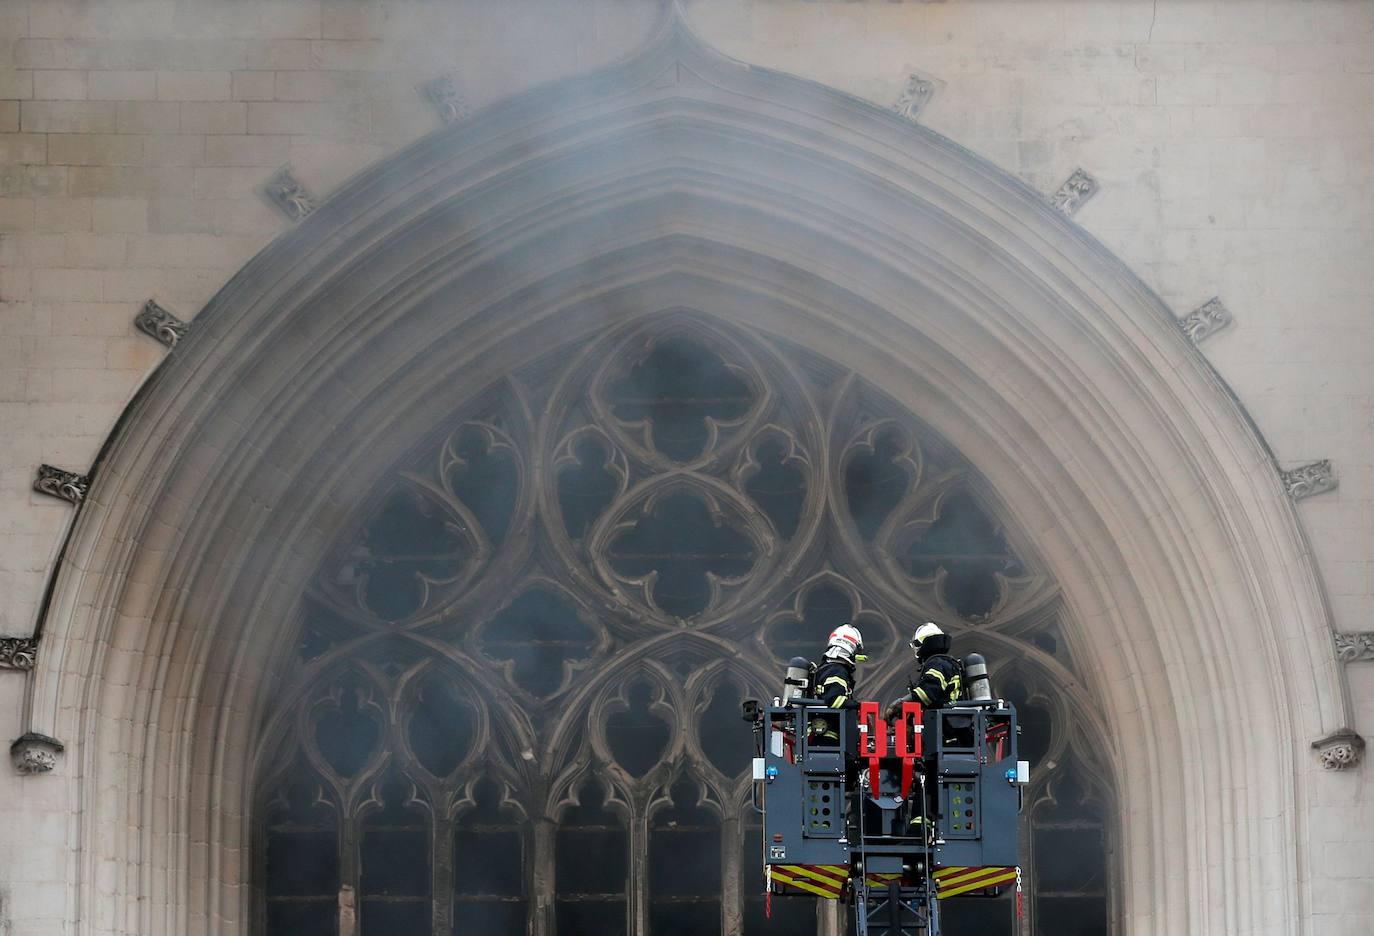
pixel 1232 141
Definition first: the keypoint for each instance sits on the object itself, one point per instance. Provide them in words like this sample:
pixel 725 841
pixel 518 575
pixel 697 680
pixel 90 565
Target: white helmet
pixel 846 643
pixel 925 632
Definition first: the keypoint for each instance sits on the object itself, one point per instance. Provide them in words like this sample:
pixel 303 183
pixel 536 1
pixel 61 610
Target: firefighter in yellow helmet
pixel 940 676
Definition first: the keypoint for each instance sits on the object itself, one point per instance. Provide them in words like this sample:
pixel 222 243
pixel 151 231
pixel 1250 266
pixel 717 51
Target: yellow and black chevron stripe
pixel 822 880
pixel 829 880
pixel 951 882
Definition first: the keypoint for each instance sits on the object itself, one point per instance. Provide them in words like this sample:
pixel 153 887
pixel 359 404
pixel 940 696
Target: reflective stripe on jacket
pixel 940 682
pixel 834 683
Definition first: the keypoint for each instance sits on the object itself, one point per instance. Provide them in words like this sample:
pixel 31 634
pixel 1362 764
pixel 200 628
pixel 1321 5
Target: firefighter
pixel 940 676
pixel 835 676
pixel 834 679
pixel 939 682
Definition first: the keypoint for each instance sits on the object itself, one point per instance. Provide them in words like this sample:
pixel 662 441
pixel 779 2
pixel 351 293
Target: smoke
pixel 678 462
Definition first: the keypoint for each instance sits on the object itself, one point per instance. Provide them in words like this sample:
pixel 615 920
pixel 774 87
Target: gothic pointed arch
pixel 919 319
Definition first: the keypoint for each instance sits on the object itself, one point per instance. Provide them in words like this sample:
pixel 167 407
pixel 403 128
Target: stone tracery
pixel 556 616
pixel 1138 524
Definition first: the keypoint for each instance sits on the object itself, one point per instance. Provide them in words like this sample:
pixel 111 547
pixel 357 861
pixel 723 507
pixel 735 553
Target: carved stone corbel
pixel 1205 321
pixel 1313 478
pixel 1340 750
pixel 1353 647
pixel 67 485
pixel 156 321
pixel 914 97
pixel 18 653
pixel 443 93
pixel 34 753
pixel 290 197
pixel 1077 189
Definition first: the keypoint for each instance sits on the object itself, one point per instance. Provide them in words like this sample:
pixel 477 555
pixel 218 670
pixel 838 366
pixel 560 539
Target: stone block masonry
pixel 1232 143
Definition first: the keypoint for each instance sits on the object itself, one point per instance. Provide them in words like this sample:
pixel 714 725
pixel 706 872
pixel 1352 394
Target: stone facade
pixel 1230 141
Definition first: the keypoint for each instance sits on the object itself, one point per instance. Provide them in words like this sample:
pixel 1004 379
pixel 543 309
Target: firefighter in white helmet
pixel 939 682
pixel 835 676
pixel 940 676
pixel 834 679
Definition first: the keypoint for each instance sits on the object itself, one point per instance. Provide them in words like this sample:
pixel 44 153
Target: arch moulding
pixel 685 180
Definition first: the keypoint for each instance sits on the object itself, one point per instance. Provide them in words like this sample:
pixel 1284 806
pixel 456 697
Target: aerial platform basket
pixel 888 816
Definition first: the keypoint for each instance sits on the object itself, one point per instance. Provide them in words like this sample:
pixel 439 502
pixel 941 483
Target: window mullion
pixel 441 859
pixel 349 909
pixel 639 876
pixel 731 894
pixel 542 883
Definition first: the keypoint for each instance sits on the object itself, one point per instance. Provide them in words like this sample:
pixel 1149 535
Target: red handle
pixel 873 741
pixel 908 745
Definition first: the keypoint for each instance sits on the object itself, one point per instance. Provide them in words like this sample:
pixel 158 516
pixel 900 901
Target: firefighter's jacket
pixel 834 683
pixel 940 681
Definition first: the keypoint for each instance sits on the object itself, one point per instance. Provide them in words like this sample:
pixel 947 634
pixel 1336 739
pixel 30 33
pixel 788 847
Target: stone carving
pixel 163 325
pixel 35 760
pixel 18 653
pixel 1355 646
pixel 34 753
pixel 1306 480
pixel 67 485
pixel 914 98
pixel 290 196
pixel 1077 189
pixel 1206 320
pixel 1340 750
pixel 443 94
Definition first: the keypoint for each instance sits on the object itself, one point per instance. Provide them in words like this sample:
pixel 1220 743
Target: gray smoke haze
pixel 388 760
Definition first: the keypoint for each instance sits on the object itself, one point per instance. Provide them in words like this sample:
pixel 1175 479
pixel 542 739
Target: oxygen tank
pixel 976 672
pixel 797 679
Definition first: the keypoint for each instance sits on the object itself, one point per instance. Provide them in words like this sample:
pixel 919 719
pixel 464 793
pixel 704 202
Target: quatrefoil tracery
pixel 674 396
pixel 636 532
pixel 415 548
pixel 641 546
pixel 818 605
pixel 550 612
